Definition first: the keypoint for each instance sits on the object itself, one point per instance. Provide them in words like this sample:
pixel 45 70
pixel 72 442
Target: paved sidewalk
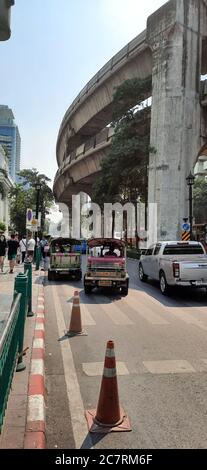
pixel 14 426
pixel 6 292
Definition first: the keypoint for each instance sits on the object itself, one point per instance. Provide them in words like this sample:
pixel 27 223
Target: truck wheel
pixel 125 289
pixel 164 287
pixel 87 289
pixel 50 275
pixel 79 276
pixel 142 276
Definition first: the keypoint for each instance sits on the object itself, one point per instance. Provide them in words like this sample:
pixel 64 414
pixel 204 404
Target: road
pixel 161 355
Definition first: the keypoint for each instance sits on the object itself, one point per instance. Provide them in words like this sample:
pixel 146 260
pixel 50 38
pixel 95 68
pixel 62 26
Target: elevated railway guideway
pixel 173 51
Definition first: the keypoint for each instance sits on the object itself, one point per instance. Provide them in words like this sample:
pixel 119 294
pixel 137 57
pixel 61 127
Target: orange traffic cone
pixel 75 327
pixel 108 416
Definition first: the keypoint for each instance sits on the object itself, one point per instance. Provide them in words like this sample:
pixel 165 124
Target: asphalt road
pixel 161 355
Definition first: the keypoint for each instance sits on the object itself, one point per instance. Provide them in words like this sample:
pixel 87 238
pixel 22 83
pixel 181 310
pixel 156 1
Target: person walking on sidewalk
pixel 30 247
pixel 3 246
pixel 23 247
pixel 12 252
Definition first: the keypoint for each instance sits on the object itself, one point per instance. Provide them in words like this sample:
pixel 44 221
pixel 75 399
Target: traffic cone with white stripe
pixel 108 416
pixel 75 327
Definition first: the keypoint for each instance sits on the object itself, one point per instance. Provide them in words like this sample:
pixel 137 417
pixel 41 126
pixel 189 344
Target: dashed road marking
pixel 96 368
pixel 115 313
pixel 145 311
pixel 169 367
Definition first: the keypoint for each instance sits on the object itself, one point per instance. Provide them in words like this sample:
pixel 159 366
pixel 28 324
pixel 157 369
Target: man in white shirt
pixel 23 246
pixel 30 247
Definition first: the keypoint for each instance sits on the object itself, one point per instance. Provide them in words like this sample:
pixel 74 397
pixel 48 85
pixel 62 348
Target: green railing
pixel 12 339
pixel 9 347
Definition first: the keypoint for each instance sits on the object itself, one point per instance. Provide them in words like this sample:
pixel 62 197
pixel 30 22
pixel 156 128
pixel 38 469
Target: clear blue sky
pixel 56 46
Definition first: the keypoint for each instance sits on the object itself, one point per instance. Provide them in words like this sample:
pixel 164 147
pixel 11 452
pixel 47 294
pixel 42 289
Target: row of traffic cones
pixel 108 416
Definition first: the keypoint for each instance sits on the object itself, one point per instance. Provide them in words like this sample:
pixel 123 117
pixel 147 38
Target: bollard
pixel 28 271
pixel 21 286
pixel 38 255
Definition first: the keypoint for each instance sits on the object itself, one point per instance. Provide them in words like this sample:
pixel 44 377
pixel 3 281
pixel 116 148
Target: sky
pixel 56 47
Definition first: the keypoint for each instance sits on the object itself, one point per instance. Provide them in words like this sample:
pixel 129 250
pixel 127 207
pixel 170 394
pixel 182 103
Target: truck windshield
pixel 183 250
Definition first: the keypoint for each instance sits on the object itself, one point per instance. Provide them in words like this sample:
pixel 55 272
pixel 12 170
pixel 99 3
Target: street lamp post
pixel 190 182
pixel 37 187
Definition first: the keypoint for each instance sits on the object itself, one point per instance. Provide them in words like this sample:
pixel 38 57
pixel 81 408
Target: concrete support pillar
pixel 173 34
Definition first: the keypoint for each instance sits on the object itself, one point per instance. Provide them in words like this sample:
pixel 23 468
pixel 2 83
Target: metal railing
pixel 12 339
pixel 9 348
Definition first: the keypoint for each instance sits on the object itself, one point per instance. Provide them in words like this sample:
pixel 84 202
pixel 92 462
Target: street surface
pixel 161 355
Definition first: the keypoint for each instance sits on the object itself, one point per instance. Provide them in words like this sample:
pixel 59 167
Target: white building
pixel 6 184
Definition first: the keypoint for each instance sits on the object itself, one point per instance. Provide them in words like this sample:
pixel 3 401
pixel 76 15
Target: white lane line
pixel 86 317
pixel 96 368
pixel 144 311
pixel 169 367
pixel 181 313
pixel 114 313
pixel 80 429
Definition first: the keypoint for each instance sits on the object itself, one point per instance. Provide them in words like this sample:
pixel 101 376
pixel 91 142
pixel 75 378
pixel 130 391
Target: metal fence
pixel 12 339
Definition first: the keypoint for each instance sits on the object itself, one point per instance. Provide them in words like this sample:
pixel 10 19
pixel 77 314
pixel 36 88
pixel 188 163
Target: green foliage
pixel 22 198
pixel 124 169
pixel 200 200
pixel 2 226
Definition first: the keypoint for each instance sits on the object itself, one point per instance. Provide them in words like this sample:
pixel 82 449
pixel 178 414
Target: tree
pixel 200 200
pixel 23 196
pixel 124 175
pixel 2 226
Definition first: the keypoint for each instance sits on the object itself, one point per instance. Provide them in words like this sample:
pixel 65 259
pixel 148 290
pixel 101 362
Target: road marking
pixel 86 318
pixel 115 313
pixel 169 367
pixel 36 408
pixel 182 313
pixel 80 429
pixel 96 368
pixel 37 367
pixel 145 311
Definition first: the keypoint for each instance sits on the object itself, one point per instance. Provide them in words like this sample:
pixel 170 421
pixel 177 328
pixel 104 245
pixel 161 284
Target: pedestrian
pixel 12 251
pixel 3 246
pixel 30 247
pixel 23 247
pixel 45 252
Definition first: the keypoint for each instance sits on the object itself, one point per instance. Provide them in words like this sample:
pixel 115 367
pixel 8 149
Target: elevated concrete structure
pixel 173 49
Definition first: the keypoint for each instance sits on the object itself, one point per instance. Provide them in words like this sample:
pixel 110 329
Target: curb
pixel 35 420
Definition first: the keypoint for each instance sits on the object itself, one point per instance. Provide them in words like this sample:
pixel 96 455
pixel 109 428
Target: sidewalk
pixel 14 426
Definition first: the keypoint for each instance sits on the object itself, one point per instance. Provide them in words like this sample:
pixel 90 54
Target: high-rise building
pixel 10 140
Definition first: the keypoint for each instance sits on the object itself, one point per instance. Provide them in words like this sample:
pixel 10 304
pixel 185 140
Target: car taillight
pixel 176 270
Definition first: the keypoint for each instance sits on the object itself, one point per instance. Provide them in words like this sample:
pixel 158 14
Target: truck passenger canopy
pixel 108 247
pixel 65 245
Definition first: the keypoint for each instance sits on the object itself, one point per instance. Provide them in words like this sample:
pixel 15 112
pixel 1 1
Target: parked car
pixel 106 265
pixel 65 259
pixel 175 263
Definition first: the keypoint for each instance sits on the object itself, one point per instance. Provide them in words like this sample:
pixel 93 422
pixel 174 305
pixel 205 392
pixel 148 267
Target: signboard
pixel 34 225
pixel 29 217
pixel 186 227
pixel 185 235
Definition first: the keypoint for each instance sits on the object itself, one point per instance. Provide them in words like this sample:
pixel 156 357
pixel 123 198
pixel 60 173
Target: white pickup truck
pixel 175 263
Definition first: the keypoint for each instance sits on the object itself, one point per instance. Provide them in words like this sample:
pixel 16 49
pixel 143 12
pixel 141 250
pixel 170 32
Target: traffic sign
pixel 34 225
pixel 185 235
pixel 29 217
pixel 186 226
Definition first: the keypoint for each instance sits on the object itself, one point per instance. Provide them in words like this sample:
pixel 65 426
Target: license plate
pixel 104 283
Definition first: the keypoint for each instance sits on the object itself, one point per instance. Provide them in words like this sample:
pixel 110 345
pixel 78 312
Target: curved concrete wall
pixel 173 51
pixel 91 111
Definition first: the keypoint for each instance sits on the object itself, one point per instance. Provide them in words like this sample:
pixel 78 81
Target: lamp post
pixel 190 182
pixel 37 187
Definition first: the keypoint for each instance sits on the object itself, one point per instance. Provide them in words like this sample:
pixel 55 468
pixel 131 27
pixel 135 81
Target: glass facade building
pixel 10 140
